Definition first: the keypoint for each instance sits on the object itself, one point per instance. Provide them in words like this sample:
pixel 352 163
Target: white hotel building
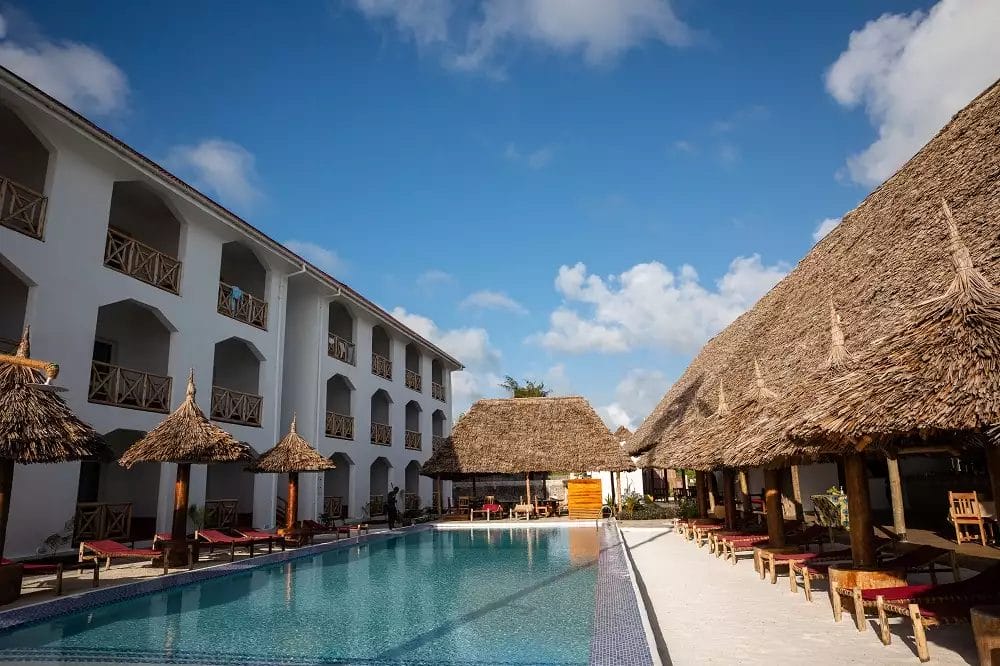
pixel 129 278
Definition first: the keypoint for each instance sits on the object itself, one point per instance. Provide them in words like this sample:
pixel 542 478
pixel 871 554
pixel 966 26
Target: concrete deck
pixel 708 611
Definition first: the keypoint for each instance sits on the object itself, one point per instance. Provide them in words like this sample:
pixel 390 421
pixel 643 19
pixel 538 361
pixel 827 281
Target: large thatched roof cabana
pixel 292 455
pixel 186 437
pixel 525 435
pixel 886 256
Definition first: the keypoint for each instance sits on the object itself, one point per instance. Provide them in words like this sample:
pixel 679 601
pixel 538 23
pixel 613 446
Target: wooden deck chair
pixel 967 512
pixel 217 538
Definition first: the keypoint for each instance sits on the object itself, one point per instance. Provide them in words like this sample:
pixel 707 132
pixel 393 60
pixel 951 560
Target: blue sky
pixel 579 192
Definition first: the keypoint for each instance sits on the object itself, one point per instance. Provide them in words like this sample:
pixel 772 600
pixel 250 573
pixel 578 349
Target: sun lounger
pixel 95 551
pixel 522 509
pixel 488 510
pixel 41 569
pixel 218 538
pixel 773 561
pixel 921 559
pixel 261 536
pixel 702 532
pixel 932 612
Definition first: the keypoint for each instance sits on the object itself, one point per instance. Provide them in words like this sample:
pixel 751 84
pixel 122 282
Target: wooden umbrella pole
pixel 618 491
pixel 745 495
pixel 772 507
pixel 292 509
pixel 439 487
pixel 797 494
pixel 701 496
pixel 896 496
pixel 527 488
pixel 178 530
pixel 6 485
pixel 729 497
pixel 859 510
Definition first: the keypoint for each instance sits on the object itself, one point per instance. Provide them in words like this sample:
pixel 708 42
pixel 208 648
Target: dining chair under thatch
pixel 186 437
pixel 966 511
pixel 36 426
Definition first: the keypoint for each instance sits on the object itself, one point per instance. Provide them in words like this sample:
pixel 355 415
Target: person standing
pixel 390 507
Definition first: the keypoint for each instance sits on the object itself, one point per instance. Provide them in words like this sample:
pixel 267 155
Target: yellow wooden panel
pixel 584 498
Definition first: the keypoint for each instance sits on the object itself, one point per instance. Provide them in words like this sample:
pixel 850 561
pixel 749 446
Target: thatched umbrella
pixel 36 425
pixel 186 437
pixel 291 456
pixel 528 435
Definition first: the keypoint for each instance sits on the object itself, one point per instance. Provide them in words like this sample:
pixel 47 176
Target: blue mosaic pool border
pixel 619 632
pixel 48 610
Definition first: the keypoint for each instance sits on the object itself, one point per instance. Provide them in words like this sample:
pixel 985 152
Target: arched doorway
pixel 144 236
pixel 242 285
pixel 411 499
pixel 340 342
pixel 235 383
pixel 13 306
pixel 24 164
pixel 337 486
pixel 339 413
pixel 381 428
pixel 381 353
pixel 378 486
pixel 114 502
pixel 228 495
pixel 413 440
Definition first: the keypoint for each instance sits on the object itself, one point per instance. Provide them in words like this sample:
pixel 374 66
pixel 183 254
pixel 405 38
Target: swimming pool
pixel 498 595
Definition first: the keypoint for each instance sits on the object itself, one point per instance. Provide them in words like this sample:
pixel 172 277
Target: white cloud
pixel 221 167
pixel 557 381
pixel 475 37
pixel 684 146
pixel 76 74
pixel 535 159
pixel 911 73
pixel 323 258
pixel 651 306
pixel 472 347
pixel 635 396
pixel 434 277
pixel 825 227
pixel 493 300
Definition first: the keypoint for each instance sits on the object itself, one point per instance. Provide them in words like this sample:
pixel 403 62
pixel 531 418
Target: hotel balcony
pixel 340 426
pixel 231 406
pixel 242 306
pixel 134 389
pixel 436 441
pixel 381 366
pixel 437 380
pixel 381 434
pixel 340 349
pixel 413 381
pixel 414 440
pixel 134 258
pixel 21 208
pixel 437 391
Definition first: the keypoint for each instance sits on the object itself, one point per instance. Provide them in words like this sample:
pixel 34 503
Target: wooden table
pixel 986 628
pixel 846 577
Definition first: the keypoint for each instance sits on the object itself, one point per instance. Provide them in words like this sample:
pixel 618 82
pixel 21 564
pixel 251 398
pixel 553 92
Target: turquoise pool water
pixel 514 596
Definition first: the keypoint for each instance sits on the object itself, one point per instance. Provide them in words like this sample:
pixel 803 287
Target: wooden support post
pixel 772 506
pixel 859 510
pixel 710 491
pixel 896 495
pixel 797 494
pixel 729 497
pixel 292 508
pixel 684 481
pixel 993 464
pixel 6 486
pixel 439 487
pixel 701 495
pixel 527 488
pixel 618 491
pixel 745 496
pixel 178 529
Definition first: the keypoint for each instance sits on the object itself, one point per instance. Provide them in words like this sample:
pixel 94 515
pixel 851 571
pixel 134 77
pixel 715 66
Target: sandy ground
pixel 711 612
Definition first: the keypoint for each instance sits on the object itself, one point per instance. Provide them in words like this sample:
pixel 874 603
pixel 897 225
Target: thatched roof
pixel 186 436
pixel 292 454
pixel 939 372
pixel 622 434
pixel 518 435
pixel 37 426
pixel 886 256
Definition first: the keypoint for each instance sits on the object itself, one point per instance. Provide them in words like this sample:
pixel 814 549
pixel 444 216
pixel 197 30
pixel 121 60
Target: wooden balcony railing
pixel 411 502
pixel 242 306
pixel 232 406
pixel 136 259
pixel 376 505
pixel 381 366
pixel 413 440
pixel 340 349
pixel 333 506
pixel 22 209
pixel 436 441
pixel 221 514
pixel 96 520
pixel 340 426
pixel 414 380
pixel 437 391
pixel 381 434
pixel 121 387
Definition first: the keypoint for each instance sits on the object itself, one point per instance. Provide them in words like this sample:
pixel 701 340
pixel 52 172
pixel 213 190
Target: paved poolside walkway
pixel 710 612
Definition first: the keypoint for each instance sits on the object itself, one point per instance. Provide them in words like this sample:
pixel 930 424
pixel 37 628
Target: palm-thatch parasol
pixel 527 435
pixel 291 456
pixel 939 373
pixel 186 437
pixel 36 426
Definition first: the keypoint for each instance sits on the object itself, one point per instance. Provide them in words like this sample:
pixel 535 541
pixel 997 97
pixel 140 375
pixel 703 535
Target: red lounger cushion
pixel 805 557
pixel 493 508
pixel 893 593
pixel 108 547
